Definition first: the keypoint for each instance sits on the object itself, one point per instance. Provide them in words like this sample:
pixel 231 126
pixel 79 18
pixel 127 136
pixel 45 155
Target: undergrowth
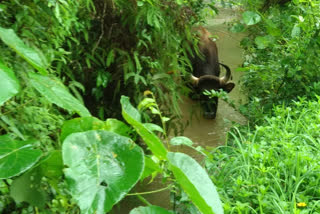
pixel 273 168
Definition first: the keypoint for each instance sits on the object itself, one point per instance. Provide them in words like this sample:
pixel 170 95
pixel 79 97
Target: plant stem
pixel 150 192
pixel 163 123
pixel 144 200
pixel 6 183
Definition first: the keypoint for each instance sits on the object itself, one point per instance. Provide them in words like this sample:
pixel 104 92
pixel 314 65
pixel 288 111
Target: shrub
pixel 273 168
pixel 281 61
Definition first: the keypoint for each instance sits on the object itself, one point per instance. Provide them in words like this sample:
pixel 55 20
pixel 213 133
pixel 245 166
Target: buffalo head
pixel 211 82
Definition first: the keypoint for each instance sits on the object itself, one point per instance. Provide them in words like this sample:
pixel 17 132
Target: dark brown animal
pixel 206 71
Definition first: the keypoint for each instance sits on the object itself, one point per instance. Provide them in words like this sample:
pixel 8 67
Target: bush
pixel 273 168
pixel 282 50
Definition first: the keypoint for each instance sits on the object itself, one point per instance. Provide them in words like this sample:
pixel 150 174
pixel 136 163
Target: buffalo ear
pixel 228 87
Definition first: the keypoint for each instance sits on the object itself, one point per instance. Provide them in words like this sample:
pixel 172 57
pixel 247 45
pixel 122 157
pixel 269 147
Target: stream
pixel 203 132
pixel 211 133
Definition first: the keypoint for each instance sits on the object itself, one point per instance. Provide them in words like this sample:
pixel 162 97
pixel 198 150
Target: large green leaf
pixel 195 182
pixel 103 167
pixel 251 18
pixel 9 37
pixel 51 166
pixel 150 210
pixel 9 85
pixel 118 127
pixel 132 116
pixel 16 156
pixel 57 93
pixel 129 109
pixel 28 187
pixel 81 124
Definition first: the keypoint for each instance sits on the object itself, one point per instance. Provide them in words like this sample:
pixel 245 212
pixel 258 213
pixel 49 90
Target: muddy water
pixel 210 133
pixel 203 132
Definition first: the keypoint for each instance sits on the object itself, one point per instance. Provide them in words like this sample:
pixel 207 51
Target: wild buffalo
pixel 206 71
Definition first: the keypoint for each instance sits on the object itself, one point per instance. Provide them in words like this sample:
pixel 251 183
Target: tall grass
pixel 273 168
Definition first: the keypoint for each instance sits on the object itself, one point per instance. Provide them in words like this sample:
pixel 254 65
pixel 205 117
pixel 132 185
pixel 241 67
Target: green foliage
pixel 251 18
pixel 81 124
pixel 111 164
pixel 32 36
pixel 31 187
pixel 58 58
pixel 136 46
pixel 221 95
pixel 9 84
pixel 56 93
pixel 132 116
pixel 150 210
pixel 102 168
pixel 273 168
pixel 195 182
pixel 185 169
pixel 281 61
pixel 16 156
pixel 9 37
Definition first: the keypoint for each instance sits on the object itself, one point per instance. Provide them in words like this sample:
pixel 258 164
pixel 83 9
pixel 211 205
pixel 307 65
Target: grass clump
pixel 273 168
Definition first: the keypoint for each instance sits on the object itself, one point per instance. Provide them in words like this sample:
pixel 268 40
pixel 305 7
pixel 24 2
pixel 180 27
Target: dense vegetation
pixel 64 59
pixel 282 62
pixel 271 166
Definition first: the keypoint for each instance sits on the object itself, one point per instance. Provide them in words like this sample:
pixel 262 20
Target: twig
pixel 102 27
pixel 110 31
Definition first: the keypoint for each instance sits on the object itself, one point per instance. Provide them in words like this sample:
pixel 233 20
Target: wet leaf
pixel 51 166
pixel 9 84
pixel 102 168
pixel 16 157
pixel 237 28
pixel 132 116
pixel 118 127
pixel 153 127
pixel 146 103
pixel 10 38
pixel 27 188
pixel 129 109
pixel 80 124
pixel 56 93
pixel 181 140
pixel 195 182
pixel 251 18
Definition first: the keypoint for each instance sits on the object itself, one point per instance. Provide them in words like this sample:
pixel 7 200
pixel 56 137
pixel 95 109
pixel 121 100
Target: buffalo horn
pixel 225 78
pixel 194 80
